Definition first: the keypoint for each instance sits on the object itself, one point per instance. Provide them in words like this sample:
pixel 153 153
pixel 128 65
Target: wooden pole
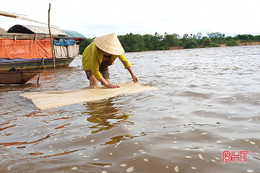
pixel 49 26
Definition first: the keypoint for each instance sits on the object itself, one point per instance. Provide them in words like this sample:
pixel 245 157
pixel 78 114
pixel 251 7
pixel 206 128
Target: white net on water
pixel 48 100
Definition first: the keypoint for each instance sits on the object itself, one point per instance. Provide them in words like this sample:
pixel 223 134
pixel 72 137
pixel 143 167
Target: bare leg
pixel 93 81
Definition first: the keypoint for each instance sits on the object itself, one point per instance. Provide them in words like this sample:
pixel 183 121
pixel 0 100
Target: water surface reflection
pixel 105 115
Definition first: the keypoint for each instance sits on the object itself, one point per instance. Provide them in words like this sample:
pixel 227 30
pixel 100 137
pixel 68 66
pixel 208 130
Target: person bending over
pixel 99 55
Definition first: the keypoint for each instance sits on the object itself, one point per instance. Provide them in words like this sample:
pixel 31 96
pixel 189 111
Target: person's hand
pixel 110 85
pixel 135 79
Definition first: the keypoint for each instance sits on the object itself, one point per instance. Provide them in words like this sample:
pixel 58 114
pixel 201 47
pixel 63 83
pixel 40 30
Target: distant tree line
pixel 136 42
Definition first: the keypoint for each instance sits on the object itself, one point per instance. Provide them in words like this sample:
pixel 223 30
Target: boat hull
pixel 17 77
pixel 35 64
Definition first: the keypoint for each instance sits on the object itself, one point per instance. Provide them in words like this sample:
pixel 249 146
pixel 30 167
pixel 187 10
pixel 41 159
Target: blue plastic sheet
pixel 64 42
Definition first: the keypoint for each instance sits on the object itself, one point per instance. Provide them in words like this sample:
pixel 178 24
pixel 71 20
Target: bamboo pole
pixel 18 16
pixel 49 26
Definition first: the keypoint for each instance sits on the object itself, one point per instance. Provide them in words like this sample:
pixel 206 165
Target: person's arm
pixel 135 78
pixel 107 84
pixel 128 67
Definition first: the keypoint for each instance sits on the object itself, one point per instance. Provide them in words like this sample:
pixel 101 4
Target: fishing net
pixel 48 100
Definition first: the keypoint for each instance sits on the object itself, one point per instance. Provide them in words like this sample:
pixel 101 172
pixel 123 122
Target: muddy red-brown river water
pixel 208 102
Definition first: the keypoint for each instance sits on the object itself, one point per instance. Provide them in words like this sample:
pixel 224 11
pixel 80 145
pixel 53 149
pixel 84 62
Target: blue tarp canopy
pixel 64 42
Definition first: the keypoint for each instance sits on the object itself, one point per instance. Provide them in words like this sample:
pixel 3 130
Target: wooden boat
pixel 17 77
pixel 26 47
pixel 35 64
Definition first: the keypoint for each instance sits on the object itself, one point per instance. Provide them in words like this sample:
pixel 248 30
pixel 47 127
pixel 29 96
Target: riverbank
pixel 249 43
pixel 220 45
pixel 138 43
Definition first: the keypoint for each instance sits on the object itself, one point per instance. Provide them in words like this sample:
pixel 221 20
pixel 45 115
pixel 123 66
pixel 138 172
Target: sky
pixel 94 18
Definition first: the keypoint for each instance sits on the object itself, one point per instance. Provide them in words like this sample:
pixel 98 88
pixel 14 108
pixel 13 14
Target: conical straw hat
pixel 110 44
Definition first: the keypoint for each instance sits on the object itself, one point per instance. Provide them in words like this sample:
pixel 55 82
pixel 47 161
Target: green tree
pixel 207 42
pixel 246 38
pixel 148 40
pixel 84 44
pixel 217 37
pixel 157 41
pixel 231 41
pixel 191 43
pixel 170 41
pixel 132 42
pixel 257 38
pixel 198 38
